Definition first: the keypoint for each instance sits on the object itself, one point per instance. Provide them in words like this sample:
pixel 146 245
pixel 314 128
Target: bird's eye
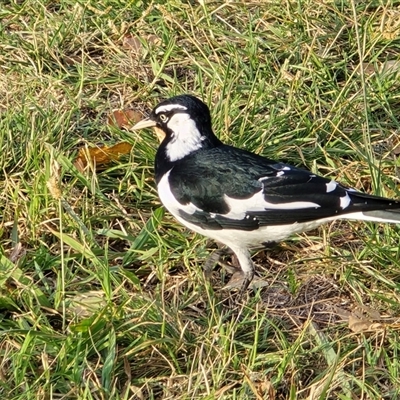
pixel 163 118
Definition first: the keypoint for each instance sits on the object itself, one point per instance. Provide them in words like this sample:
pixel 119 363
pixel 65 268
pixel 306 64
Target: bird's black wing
pixel 235 189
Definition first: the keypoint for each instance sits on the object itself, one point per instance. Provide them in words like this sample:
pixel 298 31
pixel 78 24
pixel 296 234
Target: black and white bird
pixel 239 198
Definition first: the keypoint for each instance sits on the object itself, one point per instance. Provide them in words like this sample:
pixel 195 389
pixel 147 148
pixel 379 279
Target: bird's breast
pixel 168 199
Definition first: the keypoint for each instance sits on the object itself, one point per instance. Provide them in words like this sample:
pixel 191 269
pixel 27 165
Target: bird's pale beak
pixel 148 123
pixel 144 123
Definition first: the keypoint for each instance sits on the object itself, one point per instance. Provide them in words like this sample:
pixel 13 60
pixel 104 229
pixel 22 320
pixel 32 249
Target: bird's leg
pixel 247 278
pixel 247 269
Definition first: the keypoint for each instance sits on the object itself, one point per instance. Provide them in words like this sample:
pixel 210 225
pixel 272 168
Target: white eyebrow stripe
pixel 169 107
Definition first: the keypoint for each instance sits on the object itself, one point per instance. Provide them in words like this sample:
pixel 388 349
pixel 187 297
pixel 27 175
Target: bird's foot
pixel 247 278
pixel 239 281
pixel 215 258
pixel 242 280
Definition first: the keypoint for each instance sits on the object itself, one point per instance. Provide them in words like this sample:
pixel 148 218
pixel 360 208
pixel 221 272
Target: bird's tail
pixel 373 208
pixel 382 216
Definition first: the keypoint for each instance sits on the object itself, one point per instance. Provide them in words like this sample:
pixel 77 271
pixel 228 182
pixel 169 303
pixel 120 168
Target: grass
pixel 102 294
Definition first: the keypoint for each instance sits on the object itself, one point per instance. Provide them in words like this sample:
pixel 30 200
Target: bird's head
pixel 183 125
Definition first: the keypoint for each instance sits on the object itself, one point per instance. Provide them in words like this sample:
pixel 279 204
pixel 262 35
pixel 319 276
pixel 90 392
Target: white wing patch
pixel 345 201
pixel 331 186
pixel 169 107
pixel 185 138
pixel 239 207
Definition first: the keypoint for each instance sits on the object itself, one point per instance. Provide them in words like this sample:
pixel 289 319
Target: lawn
pixel 102 292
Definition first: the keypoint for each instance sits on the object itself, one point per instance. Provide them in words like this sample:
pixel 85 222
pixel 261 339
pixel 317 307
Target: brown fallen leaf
pixel 100 157
pixel 134 44
pixel 123 118
pixel 261 387
pixel 390 67
pixel 342 313
pixel 86 304
pixel 370 312
pixel 72 59
pixel 237 278
pixel 17 252
pixel 358 325
pixel 266 389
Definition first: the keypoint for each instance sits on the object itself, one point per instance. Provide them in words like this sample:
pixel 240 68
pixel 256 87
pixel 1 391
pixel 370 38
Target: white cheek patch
pixel 169 107
pixel 185 137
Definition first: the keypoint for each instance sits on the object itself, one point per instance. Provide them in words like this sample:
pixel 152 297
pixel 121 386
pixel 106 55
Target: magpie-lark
pixel 239 198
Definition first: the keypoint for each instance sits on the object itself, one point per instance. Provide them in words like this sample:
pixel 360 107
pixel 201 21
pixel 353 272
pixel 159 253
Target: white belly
pixel 255 238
